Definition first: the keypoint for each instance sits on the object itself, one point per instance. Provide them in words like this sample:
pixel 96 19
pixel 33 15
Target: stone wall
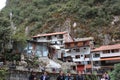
pixel 23 75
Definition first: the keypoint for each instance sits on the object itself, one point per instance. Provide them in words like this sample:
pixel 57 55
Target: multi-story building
pixel 50 44
pixel 78 51
pixel 106 56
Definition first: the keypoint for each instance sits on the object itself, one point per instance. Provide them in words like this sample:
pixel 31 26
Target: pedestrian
pixel 106 76
pixel 69 77
pixel 102 78
pixel 44 76
pixel 32 76
pixel 79 76
pixel 61 76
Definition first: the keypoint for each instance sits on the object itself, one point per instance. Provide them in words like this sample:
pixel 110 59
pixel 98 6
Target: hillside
pixel 82 18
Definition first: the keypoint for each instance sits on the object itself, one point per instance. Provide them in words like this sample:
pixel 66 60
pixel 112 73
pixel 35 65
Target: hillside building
pixel 78 51
pixel 104 57
pixel 48 45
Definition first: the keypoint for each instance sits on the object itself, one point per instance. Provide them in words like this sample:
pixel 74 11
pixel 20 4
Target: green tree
pixel 115 75
pixel 93 17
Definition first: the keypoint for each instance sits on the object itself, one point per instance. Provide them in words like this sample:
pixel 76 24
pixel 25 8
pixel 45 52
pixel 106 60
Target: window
pixel 61 36
pixel 96 55
pixel 77 50
pixel 96 63
pixel 115 50
pixel 77 56
pixel 55 35
pixel 81 55
pixel 87 56
pixel 49 37
pixel 106 51
pixel 84 48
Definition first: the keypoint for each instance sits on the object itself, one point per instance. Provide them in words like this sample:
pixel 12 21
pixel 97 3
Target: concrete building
pixel 78 51
pixel 48 45
pixel 104 57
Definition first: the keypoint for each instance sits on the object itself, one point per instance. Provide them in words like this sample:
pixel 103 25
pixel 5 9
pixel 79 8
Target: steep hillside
pixel 82 18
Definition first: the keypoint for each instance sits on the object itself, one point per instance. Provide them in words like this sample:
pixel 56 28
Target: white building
pixel 106 56
pixel 79 52
pixel 49 44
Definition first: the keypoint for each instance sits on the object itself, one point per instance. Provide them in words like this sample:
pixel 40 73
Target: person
pixel 68 77
pixel 79 76
pixel 44 76
pixel 61 76
pixel 106 76
pixel 32 76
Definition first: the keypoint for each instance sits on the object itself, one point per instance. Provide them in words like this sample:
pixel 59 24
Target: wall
pixel 23 75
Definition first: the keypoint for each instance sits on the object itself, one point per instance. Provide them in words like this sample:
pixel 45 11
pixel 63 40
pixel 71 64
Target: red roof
pixel 107 47
pixel 49 34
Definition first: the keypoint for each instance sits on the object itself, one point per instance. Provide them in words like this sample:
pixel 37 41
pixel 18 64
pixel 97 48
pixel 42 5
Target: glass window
pixel 96 55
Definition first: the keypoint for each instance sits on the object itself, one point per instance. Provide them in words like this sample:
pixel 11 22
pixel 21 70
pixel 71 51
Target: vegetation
pixel 21 19
pixel 115 75
pixel 93 17
pixel 3 74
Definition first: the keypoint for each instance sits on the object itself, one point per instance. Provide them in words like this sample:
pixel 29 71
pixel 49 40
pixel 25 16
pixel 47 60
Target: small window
pixel 115 50
pixel 106 51
pixel 44 36
pixel 81 55
pixel 77 50
pixel 96 55
pixel 87 56
pixel 49 37
pixel 77 56
pixel 55 35
pixel 84 48
pixel 61 36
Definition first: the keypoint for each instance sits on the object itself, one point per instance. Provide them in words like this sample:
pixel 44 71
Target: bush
pixel 115 75
pixel 3 74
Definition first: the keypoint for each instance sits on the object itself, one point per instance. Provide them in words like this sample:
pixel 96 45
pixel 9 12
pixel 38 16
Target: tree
pixel 115 75
pixel 5 33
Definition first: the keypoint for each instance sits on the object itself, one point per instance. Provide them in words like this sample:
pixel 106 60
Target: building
pixel 78 51
pixel 104 57
pixel 48 45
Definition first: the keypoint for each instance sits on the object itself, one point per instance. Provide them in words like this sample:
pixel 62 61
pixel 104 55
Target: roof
pixel 106 59
pixel 107 47
pixel 49 34
pixel 81 40
pixel 84 39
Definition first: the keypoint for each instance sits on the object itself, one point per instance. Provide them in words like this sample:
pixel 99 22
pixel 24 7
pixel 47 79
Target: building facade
pixel 48 45
pixel 79 52
pixel 105 57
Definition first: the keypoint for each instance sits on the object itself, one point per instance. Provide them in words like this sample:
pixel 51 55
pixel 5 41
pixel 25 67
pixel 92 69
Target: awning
pixel 105 59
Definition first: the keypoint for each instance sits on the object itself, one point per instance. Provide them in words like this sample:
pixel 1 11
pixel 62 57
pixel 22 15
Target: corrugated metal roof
pixel 107 47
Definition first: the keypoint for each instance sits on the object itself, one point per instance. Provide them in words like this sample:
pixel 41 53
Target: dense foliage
pixel 93 17
pixel 115 75
pixel 3 74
